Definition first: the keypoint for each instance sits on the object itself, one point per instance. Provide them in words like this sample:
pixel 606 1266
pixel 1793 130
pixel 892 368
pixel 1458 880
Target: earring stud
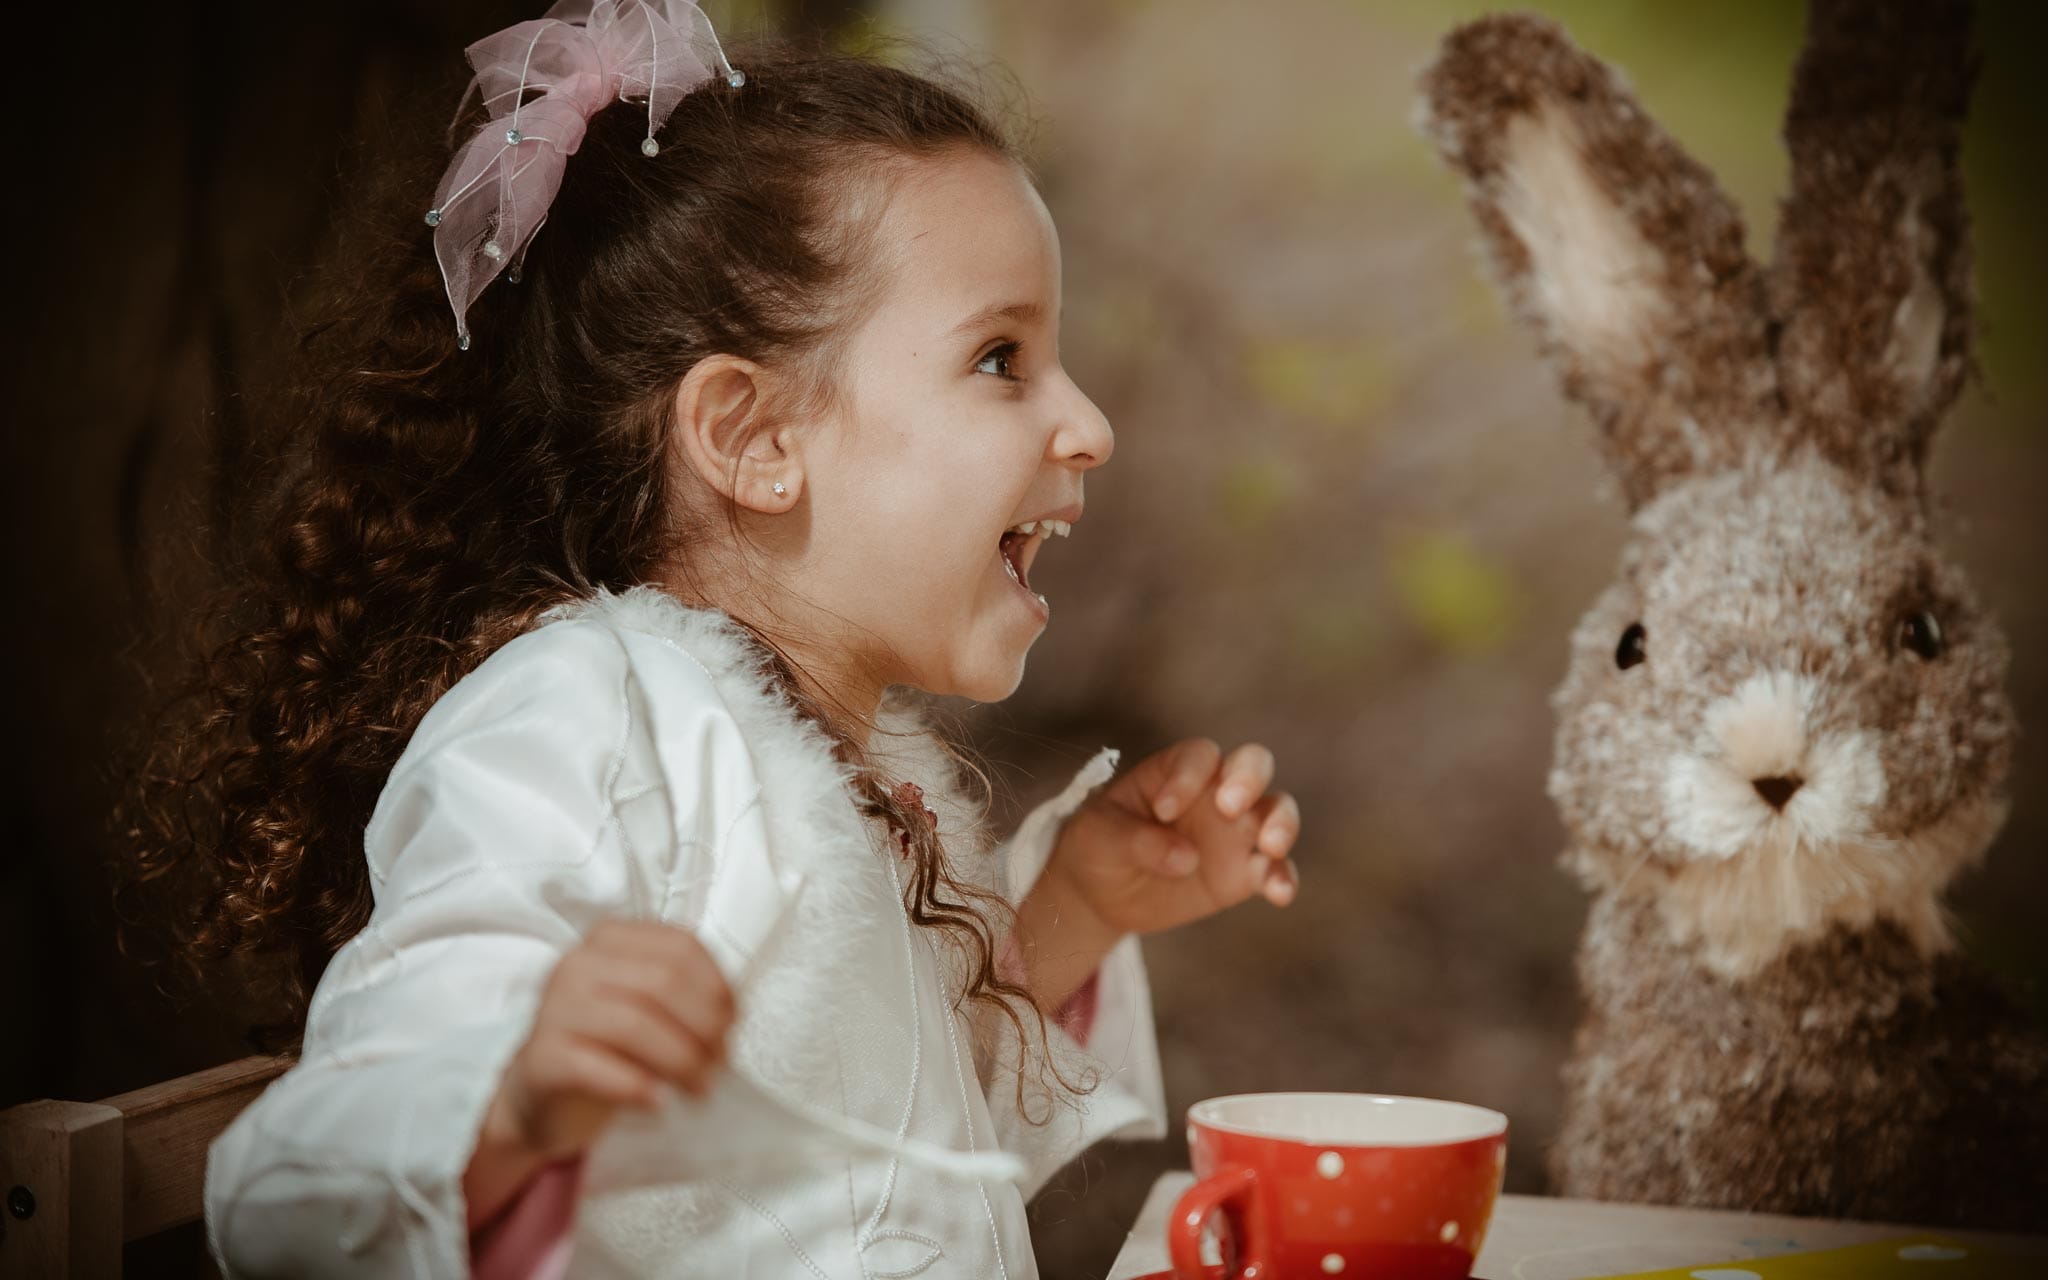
pixel 779 490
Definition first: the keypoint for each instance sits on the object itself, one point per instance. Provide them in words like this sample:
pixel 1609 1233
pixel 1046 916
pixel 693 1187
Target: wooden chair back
pixel 78 1180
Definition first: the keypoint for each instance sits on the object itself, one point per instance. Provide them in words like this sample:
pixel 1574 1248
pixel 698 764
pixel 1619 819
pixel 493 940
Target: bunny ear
pixel 1617 247
pixel 1872 273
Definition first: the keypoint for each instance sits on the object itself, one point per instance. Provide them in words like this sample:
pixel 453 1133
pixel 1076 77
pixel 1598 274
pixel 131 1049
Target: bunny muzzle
pixel 1763 775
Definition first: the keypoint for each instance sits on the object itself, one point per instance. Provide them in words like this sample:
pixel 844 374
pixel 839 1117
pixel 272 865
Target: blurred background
pixel 1350 515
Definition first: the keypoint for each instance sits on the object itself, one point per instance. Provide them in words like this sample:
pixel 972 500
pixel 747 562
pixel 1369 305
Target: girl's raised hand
pixel 638 1004
pixel 1186 833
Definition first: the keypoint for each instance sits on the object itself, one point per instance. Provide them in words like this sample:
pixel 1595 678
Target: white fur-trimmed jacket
pixel 628 757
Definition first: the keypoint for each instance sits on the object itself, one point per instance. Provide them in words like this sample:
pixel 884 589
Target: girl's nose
pixel 1083 438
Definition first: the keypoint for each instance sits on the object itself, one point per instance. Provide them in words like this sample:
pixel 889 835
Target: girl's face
pixel 954 430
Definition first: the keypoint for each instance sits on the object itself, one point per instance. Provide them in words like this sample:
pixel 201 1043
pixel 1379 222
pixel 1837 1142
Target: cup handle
pixel 1226 1191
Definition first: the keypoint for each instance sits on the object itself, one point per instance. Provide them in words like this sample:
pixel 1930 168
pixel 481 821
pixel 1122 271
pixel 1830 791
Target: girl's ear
pixel 1872 271
pixel 722 432
pixel 1613 244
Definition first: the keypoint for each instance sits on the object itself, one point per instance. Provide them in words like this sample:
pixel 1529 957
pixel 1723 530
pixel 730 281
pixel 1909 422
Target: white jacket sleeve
pixel 531 803
pixel 1120 1057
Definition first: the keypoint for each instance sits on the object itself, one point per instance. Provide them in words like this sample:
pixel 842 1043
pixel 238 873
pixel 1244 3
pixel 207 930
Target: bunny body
pixel 1783 729
pixel 1853 1077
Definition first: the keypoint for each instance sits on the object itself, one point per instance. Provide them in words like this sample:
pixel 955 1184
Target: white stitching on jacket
pixel 788 1236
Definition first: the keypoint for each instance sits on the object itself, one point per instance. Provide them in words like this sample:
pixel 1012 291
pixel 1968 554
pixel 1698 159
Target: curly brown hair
pixel 429 504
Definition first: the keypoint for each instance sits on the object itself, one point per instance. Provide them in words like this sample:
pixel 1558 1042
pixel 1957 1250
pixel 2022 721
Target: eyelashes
pixel 999 361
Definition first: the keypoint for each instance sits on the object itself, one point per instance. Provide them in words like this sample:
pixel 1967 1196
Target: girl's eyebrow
pixel 1020 312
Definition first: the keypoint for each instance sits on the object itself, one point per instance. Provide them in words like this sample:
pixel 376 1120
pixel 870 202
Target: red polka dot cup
pixel 1300 1186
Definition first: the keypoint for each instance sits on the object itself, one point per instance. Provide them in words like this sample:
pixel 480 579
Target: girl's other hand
pixel 1188 832
pixel 638 1004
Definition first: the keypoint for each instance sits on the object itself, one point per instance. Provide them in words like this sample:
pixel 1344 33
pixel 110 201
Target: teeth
pixel 1047 527
pixel 1050 528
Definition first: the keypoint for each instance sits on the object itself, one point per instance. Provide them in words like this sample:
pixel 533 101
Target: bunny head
pixel 1788 713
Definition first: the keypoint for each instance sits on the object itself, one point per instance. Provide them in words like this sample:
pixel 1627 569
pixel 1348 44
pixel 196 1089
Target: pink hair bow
pixel 541 83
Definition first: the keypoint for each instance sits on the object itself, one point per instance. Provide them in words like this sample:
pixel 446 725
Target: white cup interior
pixel 1349 1119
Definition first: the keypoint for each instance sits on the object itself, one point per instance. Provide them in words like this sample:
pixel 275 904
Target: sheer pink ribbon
pixel 541 83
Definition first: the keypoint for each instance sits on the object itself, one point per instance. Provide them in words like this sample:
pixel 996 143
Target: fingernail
pixel 1182 860
pixel 1232 801
pixel 1166 808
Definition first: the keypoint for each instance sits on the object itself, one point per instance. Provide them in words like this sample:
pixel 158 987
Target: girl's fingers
pixel 1153 848
pixel 586 1067
pixel 1282 883
pixel 625 1022
pixel 664 944
pixel 1246 775
pixel 1165 852
pixel 1182 772
pixel 694 1002
pixel 1279 819
pixel 700 1002
pixel 671 969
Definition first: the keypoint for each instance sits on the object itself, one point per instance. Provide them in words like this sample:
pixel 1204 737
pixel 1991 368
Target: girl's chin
pixel 994 670
pixel 993 678
pixel 992 690
pixel 977 687
pixel 984 662
pixel 989 664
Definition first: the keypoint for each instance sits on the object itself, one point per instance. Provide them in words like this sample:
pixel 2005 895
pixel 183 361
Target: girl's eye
pixel 1633 647
pixel 997 362
pixel 1921 633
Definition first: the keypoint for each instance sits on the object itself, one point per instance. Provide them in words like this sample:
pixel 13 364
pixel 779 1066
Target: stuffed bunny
pixel 1784 728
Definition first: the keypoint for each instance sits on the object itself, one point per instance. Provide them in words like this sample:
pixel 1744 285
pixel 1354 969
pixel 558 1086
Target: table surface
pixel 1541 1238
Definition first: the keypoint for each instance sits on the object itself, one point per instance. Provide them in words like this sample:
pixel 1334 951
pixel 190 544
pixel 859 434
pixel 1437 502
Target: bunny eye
pixel 1921 633
pixel 1631 651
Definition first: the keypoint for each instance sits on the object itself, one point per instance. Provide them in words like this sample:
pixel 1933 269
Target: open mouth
pixel 1020 546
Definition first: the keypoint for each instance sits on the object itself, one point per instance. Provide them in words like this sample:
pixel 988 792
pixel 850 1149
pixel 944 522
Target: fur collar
pixel 828 874
pixel 905 747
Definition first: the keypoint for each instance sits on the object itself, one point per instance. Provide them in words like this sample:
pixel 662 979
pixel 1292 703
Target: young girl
pixel 589 604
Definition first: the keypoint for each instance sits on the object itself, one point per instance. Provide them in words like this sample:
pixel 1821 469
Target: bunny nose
pixel 1777 791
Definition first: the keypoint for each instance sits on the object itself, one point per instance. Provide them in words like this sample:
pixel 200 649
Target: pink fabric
pixel 1077 1016
pixel 541 83
pixel 530 1240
